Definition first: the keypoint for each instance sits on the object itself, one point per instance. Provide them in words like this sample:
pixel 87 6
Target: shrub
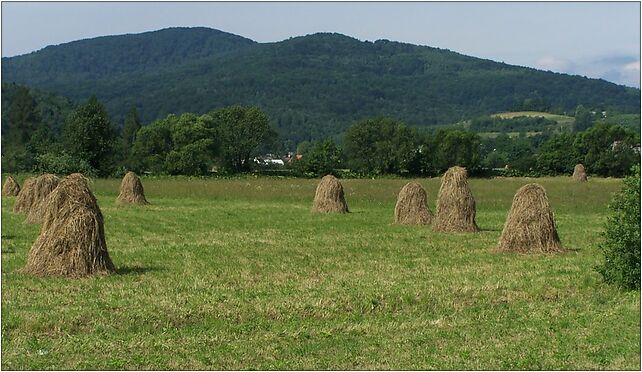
pixel 63 163
pixel 621 246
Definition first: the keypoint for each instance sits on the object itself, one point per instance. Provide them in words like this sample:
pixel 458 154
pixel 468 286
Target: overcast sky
pixel 600 40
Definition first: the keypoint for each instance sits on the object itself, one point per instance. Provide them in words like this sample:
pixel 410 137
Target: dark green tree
pixel 380 145
pixel 183 144
pixel 130 128
pixel 23 119
pixel 455 147
pixel 558 155
pixel 608 150
pixel 152 144
pixel 583 119
pixel 88 135
pixel 240 129
pixel 320 158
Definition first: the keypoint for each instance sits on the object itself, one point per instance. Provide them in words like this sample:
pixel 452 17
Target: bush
pixel 621 247
pixel 63 164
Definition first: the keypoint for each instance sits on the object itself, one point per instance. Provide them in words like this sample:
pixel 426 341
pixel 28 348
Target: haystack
pixel 411 208
pixel 455 203
pixel 579 173
pixel 530 227
pixel 10 187
pixel 131 190
pixel 43 186
pixel 72 238
pixel 24 198
pixel 329 196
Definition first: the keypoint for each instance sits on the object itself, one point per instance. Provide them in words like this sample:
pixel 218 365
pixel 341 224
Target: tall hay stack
pixel 72 239
pixel 10 187
pixel 579 173
pixel 329 197
pixel 131 190
pixel 43 186
pixel 455 203
pixel 530 227
pixel 24 198
pixel 411 207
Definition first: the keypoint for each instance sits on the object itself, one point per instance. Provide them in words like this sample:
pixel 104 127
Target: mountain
pixel 311 86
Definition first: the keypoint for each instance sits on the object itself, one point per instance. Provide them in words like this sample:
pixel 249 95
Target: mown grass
pixel 238 274
pixel 562 119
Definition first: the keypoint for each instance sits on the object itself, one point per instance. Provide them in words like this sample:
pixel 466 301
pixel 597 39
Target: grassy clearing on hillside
pixel 514 114
pixel 238 274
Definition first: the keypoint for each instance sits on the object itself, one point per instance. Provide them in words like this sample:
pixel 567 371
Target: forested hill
pixel 311 86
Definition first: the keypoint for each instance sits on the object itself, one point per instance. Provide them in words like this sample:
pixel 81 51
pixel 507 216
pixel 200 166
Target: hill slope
pixel 311 86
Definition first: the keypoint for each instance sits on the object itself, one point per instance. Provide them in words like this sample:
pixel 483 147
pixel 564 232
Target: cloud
pixel 553 64
pixel 617 68
pixel 633 67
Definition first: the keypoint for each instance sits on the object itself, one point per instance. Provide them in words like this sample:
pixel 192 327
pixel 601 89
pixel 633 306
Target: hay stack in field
pixel 530 227
pixel 43 186
pixel 455 203
pixel 72 239
pixel 329 196
pixel 23 200
pixel 579 173
pixel 411 208
pixel 10 187
pixel 131 190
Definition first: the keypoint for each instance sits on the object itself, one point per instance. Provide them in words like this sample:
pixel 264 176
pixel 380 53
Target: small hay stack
pixel 131 190
pixel 411 208
pixel 579 173
pixel 530 227
pixel 329 196
pixel 24 198
pixel 10 187
pixel 72 239
pixel 43 186
pixel 455 203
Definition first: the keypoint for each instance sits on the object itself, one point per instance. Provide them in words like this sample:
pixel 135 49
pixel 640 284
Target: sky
pixel 594 39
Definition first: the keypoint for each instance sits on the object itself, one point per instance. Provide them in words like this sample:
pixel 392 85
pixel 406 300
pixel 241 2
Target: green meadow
pixel 238 274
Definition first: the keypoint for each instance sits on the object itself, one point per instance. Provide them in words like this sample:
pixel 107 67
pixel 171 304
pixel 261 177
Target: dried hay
pixel 455 203
pixel 411 208
pixel 131 190
pixel 10 187
pixel 43 186
pixel 329 196
pixel 530 227
pixel 23 200
pixel 579 173
pixel 72 238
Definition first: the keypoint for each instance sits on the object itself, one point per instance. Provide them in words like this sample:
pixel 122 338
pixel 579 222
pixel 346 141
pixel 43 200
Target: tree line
pixel 228 139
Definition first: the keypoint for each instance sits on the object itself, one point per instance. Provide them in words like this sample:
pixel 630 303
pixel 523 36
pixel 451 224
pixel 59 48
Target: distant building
pixel 273 162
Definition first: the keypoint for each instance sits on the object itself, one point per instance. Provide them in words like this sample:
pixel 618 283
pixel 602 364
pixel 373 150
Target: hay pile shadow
pixel 530 227
pixel 10 187
pixel 329 197
pixel 131 190
pixel 455 203
pixel 43 186
pixel 72 239
pixel 23 200
pixel 579 173
pixel 411 208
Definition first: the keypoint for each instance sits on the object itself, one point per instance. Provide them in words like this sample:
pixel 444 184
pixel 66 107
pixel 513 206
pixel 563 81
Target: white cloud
pixel 632 67
pixel 552 64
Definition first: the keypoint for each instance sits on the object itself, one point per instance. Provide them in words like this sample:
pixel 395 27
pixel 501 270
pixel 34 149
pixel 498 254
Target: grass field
pixel 238 274
pixel 561 119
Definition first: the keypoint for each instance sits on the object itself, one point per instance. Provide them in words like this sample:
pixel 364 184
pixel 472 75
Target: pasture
pixel 238 274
